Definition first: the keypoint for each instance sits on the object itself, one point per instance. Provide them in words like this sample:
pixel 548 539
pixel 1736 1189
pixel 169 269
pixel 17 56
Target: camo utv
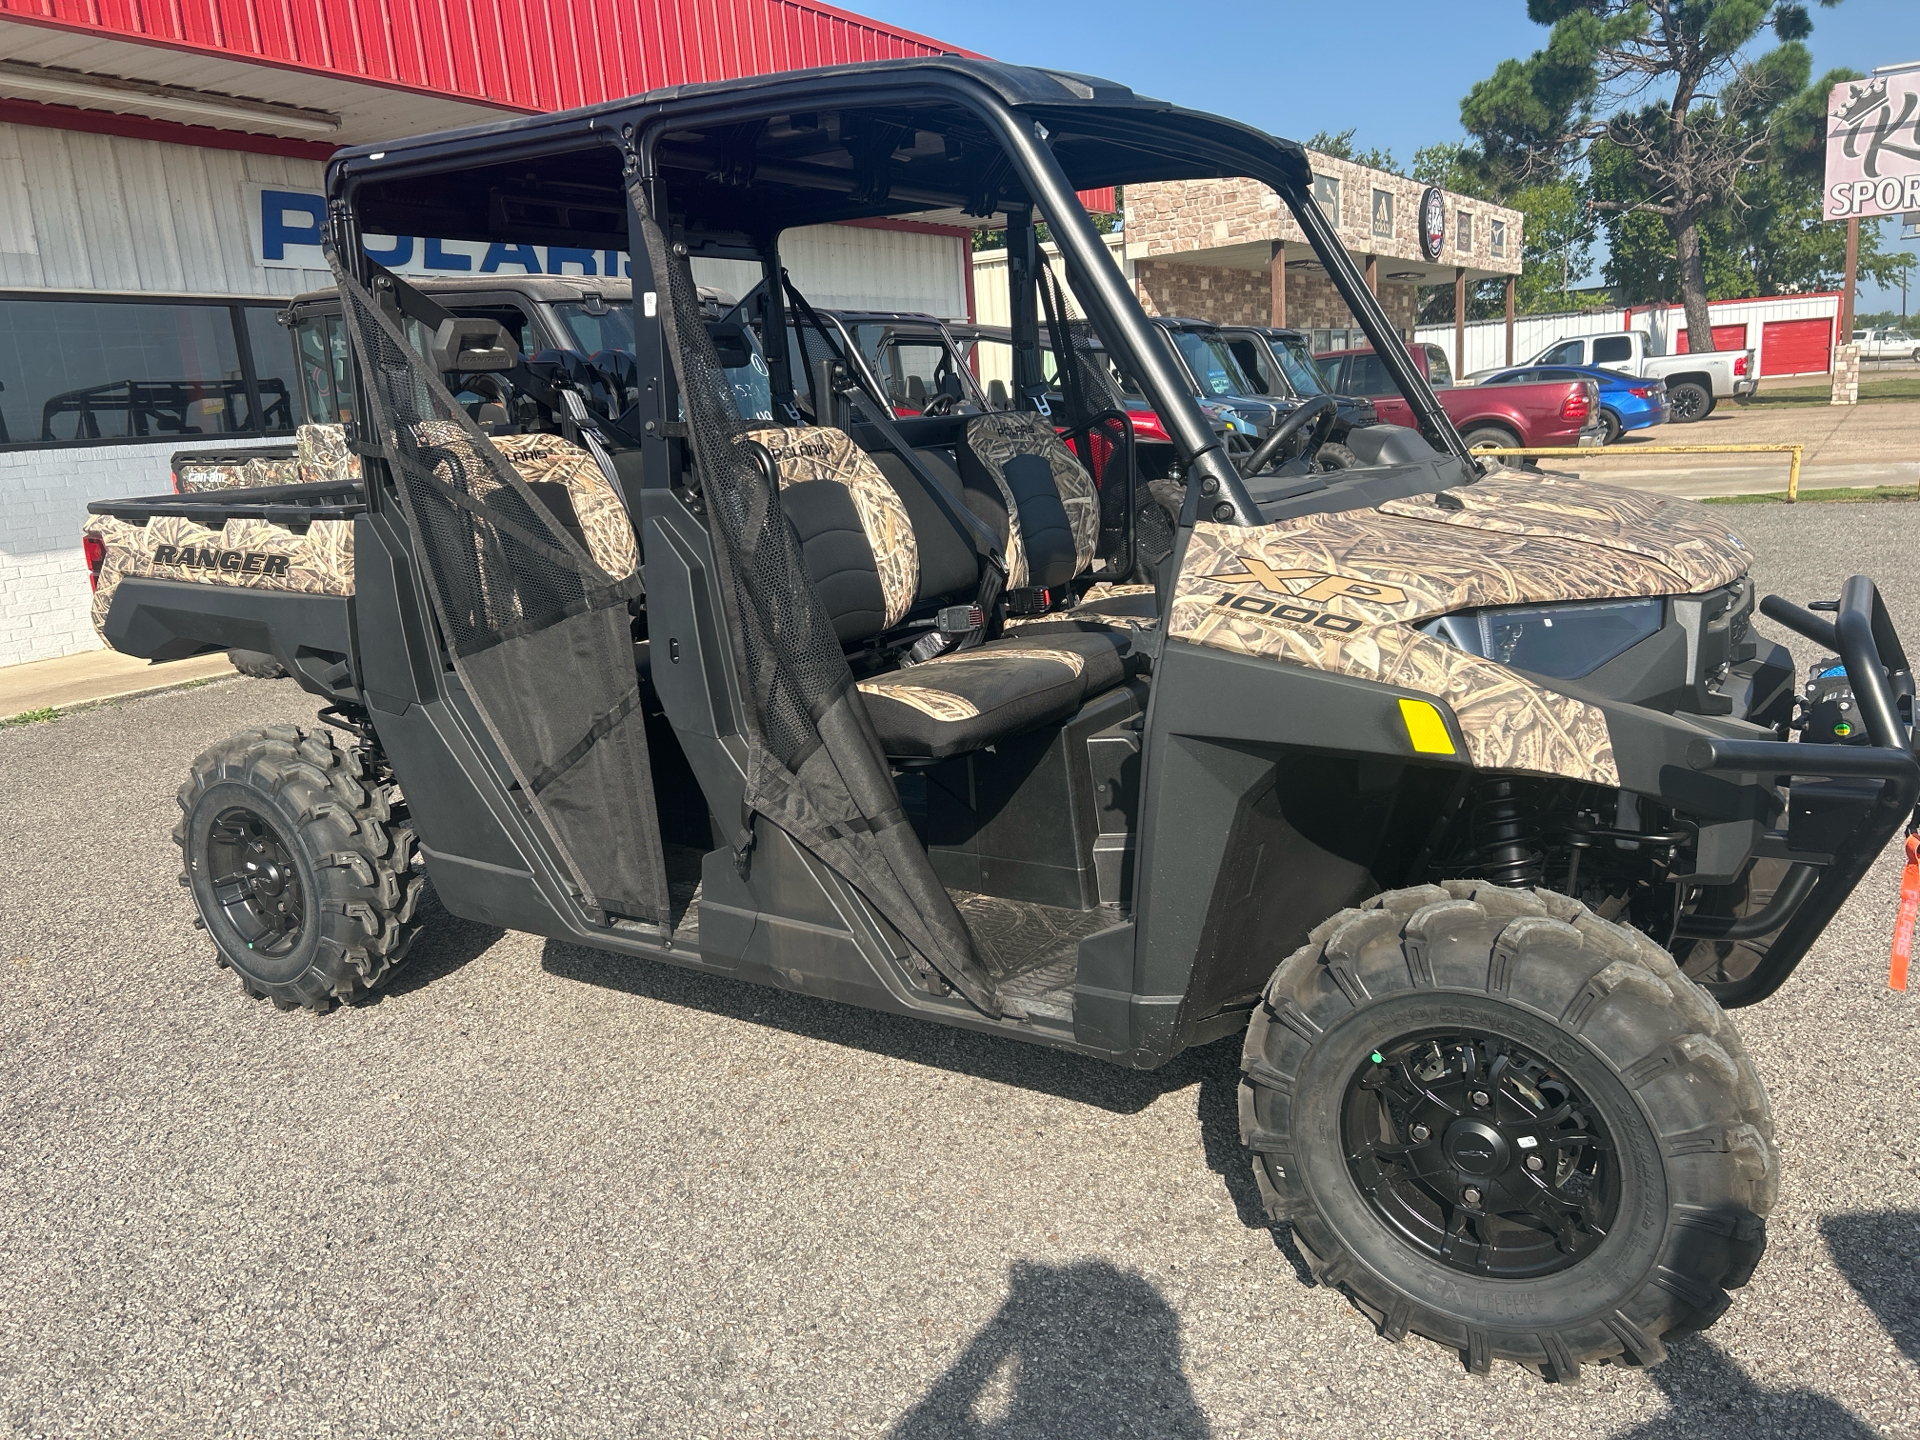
pixel 1465 798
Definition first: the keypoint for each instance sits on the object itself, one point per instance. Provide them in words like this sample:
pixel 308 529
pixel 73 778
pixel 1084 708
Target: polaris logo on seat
pixel 1324 587
pixel 232 562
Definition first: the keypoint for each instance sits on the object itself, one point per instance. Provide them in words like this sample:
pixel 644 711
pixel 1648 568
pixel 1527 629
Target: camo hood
pixel 1343 592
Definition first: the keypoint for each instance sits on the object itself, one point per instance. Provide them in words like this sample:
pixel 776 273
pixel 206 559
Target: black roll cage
pixel 1191 144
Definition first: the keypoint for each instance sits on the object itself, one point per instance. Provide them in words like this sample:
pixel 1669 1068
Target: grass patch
pixel 1816 497
pixel 30 717
pixel 1906 387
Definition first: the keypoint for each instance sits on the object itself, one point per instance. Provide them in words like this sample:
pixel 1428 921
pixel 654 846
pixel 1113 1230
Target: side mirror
pixel 473 344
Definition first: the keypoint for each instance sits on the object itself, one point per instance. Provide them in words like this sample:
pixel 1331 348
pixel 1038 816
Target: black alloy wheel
pixel 255 881
pixel 1687 402
pixel 299 858
pixel 1478 1154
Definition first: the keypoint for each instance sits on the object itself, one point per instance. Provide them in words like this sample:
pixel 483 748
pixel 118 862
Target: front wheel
pixel 1498 1121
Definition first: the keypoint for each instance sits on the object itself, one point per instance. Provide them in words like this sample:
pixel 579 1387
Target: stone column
pixel 1846 374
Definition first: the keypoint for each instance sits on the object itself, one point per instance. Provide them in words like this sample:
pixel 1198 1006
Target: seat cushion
pixel 972 698
pixel 1023 480
pixel 811 455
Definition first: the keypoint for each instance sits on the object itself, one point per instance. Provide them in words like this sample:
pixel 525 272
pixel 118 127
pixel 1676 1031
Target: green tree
pixel 1684 155
pixel 1339 144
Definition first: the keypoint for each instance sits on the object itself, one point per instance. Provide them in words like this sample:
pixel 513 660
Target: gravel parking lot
pixel 538 1190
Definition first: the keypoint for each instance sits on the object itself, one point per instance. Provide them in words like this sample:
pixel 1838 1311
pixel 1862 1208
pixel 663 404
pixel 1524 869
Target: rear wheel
pixel 1687 402
pixel 299 865
pixel 1610 427
pixel 1498 1121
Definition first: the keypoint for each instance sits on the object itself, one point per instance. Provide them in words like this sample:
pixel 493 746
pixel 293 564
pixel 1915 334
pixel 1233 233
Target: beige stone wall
pixel 1243 297
pixel 1175 216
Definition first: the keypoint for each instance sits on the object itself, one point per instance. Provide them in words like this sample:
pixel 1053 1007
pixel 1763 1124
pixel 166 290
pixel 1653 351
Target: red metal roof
pixel 530 55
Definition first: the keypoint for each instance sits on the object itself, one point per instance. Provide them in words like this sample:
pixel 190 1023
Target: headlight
pixel 1562 642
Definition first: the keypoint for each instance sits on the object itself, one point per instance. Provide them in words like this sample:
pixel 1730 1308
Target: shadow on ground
pixel 1076 1350
pixel 444 944
pixel 1879 1253
pixel 1708 1394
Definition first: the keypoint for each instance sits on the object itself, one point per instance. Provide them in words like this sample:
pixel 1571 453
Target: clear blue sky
pixel 1395 70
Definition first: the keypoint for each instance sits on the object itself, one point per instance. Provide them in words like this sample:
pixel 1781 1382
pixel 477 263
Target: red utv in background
pixel 1550 414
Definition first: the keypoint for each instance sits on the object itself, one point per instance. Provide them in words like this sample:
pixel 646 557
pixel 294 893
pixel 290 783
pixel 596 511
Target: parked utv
pixel 1281 366
pixel 1464 798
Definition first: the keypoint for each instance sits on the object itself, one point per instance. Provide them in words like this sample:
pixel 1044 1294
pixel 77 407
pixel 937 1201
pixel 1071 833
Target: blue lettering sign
pixel 521 255
pixel 438 259
pixel 400 254
pixel 307 212
pixel 559 257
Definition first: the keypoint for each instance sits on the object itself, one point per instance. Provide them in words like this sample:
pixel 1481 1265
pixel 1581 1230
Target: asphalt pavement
pixel 539 1190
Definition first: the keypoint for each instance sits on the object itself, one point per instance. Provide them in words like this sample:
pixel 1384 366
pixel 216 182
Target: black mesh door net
pixel 540 635
pixel 814 767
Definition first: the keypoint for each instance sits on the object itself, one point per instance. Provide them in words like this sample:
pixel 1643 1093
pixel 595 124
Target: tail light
pixel 1640 392
pixel 1740 365
pixel 96 550
pixel 1579 405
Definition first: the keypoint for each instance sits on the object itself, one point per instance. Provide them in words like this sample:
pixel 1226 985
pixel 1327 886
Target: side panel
pixel 1268 789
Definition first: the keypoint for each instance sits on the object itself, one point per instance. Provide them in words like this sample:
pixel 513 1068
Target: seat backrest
pixel 552 466
pixel 1024 482
pixel 855 533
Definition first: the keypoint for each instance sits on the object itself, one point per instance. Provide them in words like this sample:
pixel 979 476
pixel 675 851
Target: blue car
pixel 1626 401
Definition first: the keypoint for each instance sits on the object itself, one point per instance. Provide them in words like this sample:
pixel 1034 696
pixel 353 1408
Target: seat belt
pixel 986 544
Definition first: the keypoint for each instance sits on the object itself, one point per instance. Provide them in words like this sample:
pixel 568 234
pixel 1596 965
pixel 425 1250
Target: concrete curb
pixel 64 697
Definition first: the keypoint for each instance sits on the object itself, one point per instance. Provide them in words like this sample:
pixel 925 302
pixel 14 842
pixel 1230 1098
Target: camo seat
pixel 969 699
pixel 1021 479
pixel 863 542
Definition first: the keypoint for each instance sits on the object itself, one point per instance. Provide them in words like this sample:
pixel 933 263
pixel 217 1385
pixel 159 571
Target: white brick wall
pixel 44 596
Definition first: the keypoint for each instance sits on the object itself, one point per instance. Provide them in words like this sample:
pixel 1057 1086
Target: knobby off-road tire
pixel 1335 456
pixel 298 864
pixel 257 664
pixel 1678 1126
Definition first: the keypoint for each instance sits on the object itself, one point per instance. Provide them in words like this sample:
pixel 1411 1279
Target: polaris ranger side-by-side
pixel 1465 797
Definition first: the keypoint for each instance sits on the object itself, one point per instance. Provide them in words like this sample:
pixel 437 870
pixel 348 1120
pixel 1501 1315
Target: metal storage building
pixel 160 176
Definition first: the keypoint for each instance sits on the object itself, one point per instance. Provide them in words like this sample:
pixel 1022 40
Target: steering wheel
pixel 1319 412
pixel 941 404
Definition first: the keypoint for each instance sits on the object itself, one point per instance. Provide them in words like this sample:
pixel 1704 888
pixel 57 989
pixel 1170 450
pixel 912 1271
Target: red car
pixel 1554 413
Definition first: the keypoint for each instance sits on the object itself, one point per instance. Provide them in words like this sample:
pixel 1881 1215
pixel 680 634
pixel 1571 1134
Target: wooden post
pixel 1853 278
pixel 1509 319
pixel 1459 322
pixel 1277 282
pixel 1373 275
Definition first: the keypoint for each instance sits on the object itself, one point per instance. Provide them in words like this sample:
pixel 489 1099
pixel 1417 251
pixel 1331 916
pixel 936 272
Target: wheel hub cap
pixel 1475 1148
pixel 255 883
pixel 1480 1154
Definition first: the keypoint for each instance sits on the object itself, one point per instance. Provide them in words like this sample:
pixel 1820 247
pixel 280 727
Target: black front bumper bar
pixel 1862 634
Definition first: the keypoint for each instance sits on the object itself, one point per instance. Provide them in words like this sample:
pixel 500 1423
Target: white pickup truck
pixel 1695 382
pixel 1883 343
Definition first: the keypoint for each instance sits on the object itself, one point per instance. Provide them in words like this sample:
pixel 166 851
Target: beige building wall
pixel 1206 247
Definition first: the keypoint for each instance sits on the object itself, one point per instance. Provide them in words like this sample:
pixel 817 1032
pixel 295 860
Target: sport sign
pixel 1873 147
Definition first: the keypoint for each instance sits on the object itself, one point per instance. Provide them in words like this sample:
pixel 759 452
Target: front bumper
pixel 1888 772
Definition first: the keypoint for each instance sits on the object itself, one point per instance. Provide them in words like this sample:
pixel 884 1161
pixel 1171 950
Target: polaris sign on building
pixel 160 202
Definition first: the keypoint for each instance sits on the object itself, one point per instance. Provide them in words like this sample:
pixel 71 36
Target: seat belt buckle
pixel 1038 395
pixel 1031 601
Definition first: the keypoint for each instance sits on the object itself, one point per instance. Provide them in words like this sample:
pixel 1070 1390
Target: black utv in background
pixel 1463 798
pixel 1280 365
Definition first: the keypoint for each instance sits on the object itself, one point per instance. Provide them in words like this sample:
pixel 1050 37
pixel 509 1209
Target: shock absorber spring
pixel 1505 835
